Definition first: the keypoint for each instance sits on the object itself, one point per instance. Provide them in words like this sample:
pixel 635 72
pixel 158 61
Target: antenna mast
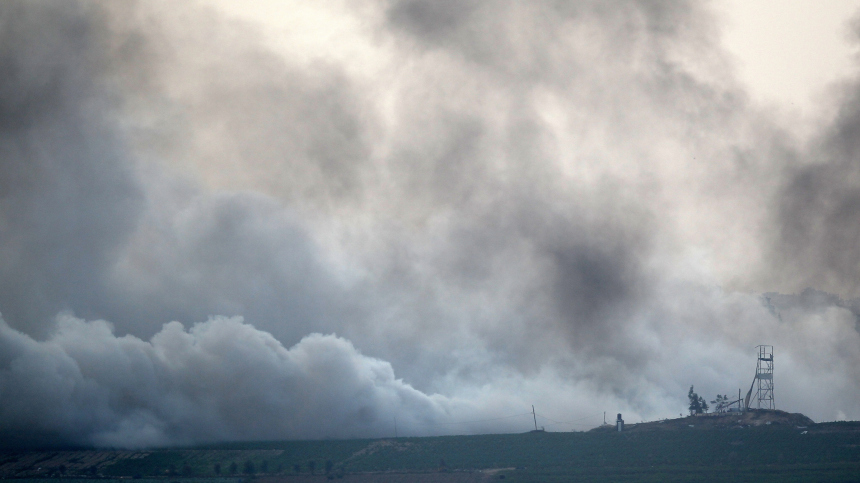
pixel 534 416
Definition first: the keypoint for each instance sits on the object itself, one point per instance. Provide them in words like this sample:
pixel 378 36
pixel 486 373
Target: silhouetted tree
pixel 328 466
pixel 264 466
pixel 217 468
pixel 720 403
pixel 697 403
pixel 297 468
pixel 312 465
pixel 233 468
pixel 248 467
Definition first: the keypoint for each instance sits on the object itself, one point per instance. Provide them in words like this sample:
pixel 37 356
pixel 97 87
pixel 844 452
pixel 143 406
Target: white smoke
pixel 225 380
pixel 219 380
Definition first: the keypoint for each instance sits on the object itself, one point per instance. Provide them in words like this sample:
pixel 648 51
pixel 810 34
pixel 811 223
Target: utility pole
pixel 534 416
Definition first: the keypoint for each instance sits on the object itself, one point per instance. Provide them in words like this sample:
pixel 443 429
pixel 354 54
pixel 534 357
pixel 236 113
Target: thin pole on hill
pixel 534 416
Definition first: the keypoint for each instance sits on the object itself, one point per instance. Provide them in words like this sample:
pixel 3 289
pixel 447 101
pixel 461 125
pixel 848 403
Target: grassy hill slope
pixel 687 449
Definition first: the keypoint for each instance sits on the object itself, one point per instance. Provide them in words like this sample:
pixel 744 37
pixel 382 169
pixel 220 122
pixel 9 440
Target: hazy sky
pixel 784 52
pixel 790 53
pixel 225 221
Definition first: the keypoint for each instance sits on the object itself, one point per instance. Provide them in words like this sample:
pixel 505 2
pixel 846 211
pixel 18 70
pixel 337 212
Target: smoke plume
pixel 492 204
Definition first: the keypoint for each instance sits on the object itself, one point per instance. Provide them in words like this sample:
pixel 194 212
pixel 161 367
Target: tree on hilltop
pixel 698 405
pixel 720 403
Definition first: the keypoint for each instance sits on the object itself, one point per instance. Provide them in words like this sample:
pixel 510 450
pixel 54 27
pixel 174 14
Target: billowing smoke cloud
pixel 818 209
pixel 222 379
pixel 567 205
pixel 68 192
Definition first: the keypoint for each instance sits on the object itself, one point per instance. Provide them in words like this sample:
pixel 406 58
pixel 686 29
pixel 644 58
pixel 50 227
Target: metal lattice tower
pixel 764 377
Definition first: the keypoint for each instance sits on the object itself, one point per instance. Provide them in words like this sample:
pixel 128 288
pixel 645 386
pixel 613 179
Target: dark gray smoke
pixel 567 205
pixel 69 197
pixel 818 208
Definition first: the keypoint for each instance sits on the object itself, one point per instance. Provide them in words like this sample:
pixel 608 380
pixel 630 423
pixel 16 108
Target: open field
pixel 762 448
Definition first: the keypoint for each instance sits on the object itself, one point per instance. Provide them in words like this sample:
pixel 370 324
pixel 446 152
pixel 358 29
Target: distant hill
pixel 753 418
pixel 732 447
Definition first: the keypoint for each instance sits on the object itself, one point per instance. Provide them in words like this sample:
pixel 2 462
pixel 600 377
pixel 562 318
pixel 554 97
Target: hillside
pixel 704 448
pixel 748 419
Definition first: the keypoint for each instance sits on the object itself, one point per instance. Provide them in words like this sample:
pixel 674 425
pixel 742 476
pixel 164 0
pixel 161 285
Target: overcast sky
pixel 304 220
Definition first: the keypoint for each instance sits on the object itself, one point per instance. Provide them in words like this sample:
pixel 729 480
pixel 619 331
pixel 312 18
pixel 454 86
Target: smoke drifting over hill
pixel 492 204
